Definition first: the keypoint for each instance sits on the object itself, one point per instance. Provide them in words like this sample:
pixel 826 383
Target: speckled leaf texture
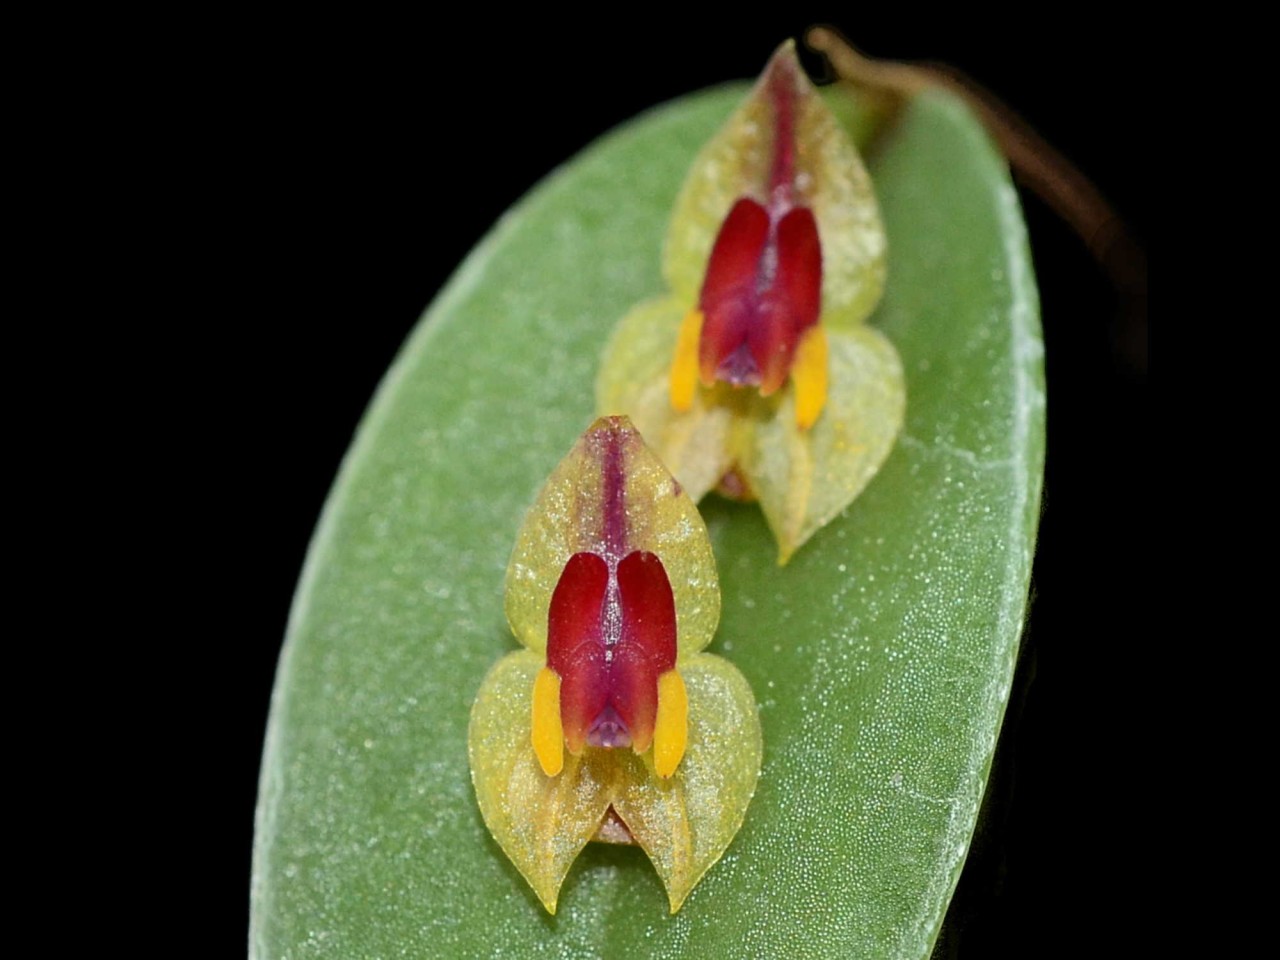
pixel 881 656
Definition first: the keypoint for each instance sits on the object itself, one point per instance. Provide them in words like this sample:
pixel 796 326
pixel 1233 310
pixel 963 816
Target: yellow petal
pixel 809 374
pixel 684 369
pixel 548 733
pixel 671 732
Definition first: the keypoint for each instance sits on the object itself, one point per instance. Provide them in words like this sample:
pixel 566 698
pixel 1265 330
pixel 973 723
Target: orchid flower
pixel 757 375
pixel 612 725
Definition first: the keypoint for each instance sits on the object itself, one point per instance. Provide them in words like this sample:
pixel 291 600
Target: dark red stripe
pixel 614 480
pixel 782 96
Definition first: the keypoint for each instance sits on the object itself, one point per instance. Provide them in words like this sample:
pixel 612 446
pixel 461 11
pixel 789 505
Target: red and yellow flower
pixel 758 374
pixel 612 724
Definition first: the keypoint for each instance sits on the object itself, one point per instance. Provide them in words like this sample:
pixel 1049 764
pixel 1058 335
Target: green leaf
pixel 881 656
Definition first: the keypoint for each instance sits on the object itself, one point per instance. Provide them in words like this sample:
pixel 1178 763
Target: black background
pixel 353 163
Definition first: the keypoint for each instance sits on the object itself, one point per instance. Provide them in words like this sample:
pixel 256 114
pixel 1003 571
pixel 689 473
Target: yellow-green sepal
pixel 804 478
pixel 684 823
pixel 567 518
pixel 634 378
pixel 831 180
pixel 541 822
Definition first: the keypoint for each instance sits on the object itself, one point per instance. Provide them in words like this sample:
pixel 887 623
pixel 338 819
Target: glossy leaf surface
pixel 881 656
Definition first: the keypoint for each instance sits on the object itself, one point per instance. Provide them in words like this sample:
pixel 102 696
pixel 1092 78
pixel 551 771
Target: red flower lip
pixel 611 632
pixel 762 291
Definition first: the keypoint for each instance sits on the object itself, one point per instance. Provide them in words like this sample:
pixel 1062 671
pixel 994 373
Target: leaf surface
pixel 881 656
